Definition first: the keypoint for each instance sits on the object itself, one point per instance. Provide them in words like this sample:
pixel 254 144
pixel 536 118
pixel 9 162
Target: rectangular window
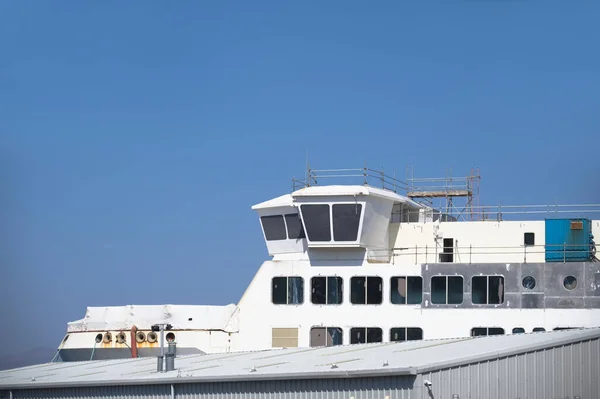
pixel 326 336
pixel 400 334
pixel 447 255
pixel 294 226
pixel 284 337
pixel 316 221
pixel 529 238
pixel 326 290
pixel 361 335
pixel 447 290
pixel 366 290
pixel 274 227
pixel 346 218
pixel 487 290
pixel 483 331
pixel 406 290
pixel 287 290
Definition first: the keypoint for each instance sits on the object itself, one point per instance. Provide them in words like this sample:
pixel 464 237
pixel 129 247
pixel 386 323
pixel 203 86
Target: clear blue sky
pixel 135 136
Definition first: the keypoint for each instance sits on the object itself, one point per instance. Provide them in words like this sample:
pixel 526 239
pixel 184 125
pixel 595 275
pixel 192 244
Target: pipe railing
pixel 426 254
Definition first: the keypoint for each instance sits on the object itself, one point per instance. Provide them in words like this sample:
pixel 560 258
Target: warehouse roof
pixel 397 358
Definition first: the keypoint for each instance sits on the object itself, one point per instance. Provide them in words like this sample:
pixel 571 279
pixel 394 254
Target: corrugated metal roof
pixel 405 358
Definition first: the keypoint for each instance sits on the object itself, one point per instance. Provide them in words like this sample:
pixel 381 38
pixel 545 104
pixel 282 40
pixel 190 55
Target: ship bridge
pixel 335 216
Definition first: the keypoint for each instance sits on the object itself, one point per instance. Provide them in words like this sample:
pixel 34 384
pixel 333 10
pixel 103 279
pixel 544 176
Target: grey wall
pixel 563 372
pixel 359 388
pixel 548 293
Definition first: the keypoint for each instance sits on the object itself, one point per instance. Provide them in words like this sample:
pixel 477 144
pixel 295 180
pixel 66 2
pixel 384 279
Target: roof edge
pixel 340 374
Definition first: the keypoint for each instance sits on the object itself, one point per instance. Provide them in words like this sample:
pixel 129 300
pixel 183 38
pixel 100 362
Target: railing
pixel 499 254
pixel 470 211
pixel 365 176
pixel 504 212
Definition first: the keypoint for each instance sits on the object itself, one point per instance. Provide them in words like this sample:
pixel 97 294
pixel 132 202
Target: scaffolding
pixel 458 197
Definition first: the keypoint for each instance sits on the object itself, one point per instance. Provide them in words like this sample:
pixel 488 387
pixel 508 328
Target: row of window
pixel 318 219
pixel 405 290
pixel 332 336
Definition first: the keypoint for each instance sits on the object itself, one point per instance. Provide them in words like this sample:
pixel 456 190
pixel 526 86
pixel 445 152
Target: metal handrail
pixel 567 250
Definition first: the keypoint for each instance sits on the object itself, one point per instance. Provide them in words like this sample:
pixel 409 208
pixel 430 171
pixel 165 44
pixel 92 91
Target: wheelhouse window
pixel 362 335
pixel 287 290
pixel 294 226
pixel 274 227
pixel 406 290
pixel 326 336
pixel 487 290
pixel 447 290
pixel 400 334
pixel 483 331
pixel 346 218
pixel 366 290
pixel 326 290
pixel 316 221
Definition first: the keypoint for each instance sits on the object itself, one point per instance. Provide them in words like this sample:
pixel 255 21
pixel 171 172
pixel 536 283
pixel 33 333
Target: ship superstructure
pixel 375 261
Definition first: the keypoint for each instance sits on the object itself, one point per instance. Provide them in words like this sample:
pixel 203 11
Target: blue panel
pixel 567 239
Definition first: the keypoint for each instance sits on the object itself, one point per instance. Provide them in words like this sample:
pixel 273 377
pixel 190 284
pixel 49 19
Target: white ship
pixel 360 262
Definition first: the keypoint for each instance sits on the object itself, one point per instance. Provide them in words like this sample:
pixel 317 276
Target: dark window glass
pixel 274 227
pixel 406 334
pixel 495 290
pixel 529 238
pixel 406 290
pixel 448 251
pixel 279 290
pixel 455 290
pixel 374 290
pixel 480 331
pixel 487 290
pixel 357 290
pixel 294 226
pixel 398 334
pixel 361 335
pixel 334 290
pixel 539 329
pixel 316 221
pixel 528 282
pixel 346 218
pixel 414 333
pixel 366 290
pixel 330 336
pixel 447 290
pixel 287 290
pixel 358 335
pixel 319 290
pixel 295 290
pixel 518 330
pixel 374 334
pixel 479 289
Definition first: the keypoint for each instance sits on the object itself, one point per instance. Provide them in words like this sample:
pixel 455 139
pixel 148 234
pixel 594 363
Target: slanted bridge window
pixel 487 290
pixel 316 221
pixel 294 226
pixel 366 290
pixel 346 218
pixel 326 336
pixel 406 290
pixel 362 335
pixel 400 334
pixel 447 290
pixel 287 290
pixel 481 331
pixel 274 227
pixel 326 290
